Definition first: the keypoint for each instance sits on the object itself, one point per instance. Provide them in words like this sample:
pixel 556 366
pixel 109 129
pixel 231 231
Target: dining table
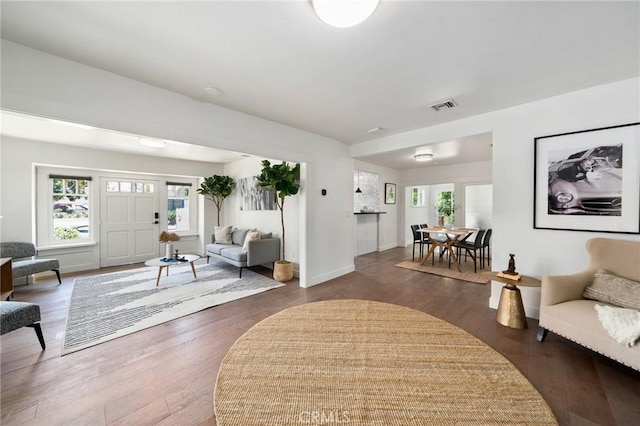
pixel 451 236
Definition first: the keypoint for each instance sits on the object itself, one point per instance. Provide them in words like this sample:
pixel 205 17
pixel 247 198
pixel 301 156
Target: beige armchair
pixel 565 312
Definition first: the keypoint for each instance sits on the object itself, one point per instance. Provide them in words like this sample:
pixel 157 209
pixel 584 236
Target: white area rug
pixel 104 307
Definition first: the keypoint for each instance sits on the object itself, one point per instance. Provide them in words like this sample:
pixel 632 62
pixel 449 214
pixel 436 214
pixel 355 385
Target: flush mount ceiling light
pixel 423 157
pixel 344 13
pixel 152 143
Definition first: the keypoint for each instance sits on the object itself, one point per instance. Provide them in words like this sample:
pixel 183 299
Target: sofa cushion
pixel 215 248
pixel 251 236
pixel 238 235
pixel 234 253
pixel 223 234
pixel 615 290
pixel 265 235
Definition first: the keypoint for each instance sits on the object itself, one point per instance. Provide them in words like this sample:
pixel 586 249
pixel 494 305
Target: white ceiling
pixel 277 61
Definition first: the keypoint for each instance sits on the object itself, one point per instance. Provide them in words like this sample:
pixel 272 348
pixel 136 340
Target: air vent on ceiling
pixel 449 103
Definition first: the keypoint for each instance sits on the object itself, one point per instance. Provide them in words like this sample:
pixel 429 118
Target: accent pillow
pixel 238 235
pixel 615 290
pixel 265 235
pixel 223 234
pixel 251 236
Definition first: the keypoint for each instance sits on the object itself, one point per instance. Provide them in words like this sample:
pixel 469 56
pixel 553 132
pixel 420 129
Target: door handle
pixel 156 222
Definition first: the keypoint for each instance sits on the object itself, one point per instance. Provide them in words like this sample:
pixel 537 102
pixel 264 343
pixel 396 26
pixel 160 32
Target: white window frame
pixel 43 216
pixel 193 205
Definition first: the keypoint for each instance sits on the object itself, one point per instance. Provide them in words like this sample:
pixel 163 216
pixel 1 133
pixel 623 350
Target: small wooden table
pixel 453 235
pixel 161 264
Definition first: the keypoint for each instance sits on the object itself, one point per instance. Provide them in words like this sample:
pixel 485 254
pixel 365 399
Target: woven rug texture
pixel 442 269
pixel 104 307
pixel 369 363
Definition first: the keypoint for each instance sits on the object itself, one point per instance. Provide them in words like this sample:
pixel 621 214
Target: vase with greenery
pixel 216 188
pixel 284 180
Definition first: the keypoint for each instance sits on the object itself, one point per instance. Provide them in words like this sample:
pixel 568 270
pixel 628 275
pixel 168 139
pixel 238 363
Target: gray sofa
pixel 259 252
pixel 24 262
pixel 564 310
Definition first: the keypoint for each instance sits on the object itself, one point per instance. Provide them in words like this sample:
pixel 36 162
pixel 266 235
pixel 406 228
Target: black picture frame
pixel 390 193
pixel 582 178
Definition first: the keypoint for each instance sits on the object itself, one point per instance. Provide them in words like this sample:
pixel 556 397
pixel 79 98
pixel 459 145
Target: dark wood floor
pixel 166 374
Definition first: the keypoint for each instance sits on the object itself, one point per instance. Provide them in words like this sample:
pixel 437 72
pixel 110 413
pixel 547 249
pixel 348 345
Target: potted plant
pixel 284 181
pixel 168 238
pixel 216 188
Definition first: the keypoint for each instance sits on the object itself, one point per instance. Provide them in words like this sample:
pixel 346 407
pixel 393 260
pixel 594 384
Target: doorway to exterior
pixel 129 220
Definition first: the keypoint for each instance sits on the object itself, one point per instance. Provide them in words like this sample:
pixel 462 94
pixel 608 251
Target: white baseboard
pixel 330 275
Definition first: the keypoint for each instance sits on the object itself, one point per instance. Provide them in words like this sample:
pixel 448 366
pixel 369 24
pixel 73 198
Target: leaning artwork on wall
pixel 580 183
pixel 254 198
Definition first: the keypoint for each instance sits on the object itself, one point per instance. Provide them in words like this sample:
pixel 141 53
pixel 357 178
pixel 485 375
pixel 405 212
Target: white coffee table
pixel 164 264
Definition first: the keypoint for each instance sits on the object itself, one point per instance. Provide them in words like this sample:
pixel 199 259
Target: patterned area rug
pixel 444 271
pixel 104 307
pixel 369 363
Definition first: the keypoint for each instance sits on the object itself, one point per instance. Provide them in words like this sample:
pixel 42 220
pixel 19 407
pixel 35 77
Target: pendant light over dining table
pixel 344 13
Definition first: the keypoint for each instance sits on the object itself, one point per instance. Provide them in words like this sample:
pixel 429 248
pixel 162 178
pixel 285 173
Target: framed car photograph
pixel 389 193
pixel 588 180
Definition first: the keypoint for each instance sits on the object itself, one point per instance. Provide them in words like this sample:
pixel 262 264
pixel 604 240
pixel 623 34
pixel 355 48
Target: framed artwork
pixel 389 193
pixel 252 197
pixel 588 180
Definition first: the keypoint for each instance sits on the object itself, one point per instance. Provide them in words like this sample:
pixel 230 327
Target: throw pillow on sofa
pixel 251 236
pixel 238 236
pixel 615 290
pixel 223 234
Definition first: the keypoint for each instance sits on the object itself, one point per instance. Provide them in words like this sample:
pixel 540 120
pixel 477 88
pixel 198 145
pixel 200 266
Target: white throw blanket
pixel 621 323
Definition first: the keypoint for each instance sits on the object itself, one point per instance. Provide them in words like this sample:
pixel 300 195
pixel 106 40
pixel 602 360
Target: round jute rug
pixel 369 363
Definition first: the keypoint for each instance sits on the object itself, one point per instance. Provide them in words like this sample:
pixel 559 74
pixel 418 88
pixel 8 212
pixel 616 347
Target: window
pixel 124 186
pixel 70 207
pixel 418 197
pixel 178 201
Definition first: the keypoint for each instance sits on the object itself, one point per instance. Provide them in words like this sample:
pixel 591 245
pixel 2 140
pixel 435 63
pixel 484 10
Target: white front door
pixel 129 228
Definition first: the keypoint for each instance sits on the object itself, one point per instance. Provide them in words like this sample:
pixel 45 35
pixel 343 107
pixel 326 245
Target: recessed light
pixel 213 91
pixel 423 157
pixel 152 143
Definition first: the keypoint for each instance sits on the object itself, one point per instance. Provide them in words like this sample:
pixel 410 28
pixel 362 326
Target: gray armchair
pixel 24 262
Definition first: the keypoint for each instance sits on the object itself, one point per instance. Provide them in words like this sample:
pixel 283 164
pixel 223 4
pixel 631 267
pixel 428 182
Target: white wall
pixel 18 158
pixel 538 252
pixel 389 233
pixel 41 84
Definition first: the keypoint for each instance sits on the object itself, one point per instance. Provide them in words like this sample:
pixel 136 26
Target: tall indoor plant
pixel 284 180
pixel 216 188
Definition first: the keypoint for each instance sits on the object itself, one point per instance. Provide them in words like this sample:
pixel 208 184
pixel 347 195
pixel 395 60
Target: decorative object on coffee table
pixel 169 238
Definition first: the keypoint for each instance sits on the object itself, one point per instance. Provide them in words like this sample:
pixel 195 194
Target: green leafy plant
pixel 284 181
pixel 216 188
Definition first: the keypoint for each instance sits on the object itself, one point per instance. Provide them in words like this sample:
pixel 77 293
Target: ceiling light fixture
pixel 423 157
pixel 152 143
pixel 344 13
